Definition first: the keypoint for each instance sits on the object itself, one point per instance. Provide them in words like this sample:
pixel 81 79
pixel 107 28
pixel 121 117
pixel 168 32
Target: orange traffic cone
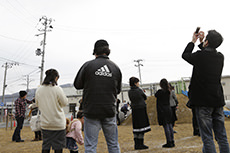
pixel 14 123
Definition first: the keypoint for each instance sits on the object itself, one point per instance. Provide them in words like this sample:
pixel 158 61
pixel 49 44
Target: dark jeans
pixel 194 123
pixel 169 132
pixel 211 119
pixel 17 131
pixel 118 119
pixel 38 134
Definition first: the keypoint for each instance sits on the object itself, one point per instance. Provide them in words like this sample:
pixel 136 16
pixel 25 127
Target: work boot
pixel 139 145
pixel 142 144
pixel 136 143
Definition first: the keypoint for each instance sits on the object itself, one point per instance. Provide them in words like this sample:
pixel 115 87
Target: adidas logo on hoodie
pixel 104 71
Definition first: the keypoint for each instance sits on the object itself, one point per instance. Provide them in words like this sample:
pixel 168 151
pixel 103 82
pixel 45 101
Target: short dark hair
pixel 214 39
pixel 132 81
pixel 51 74
pixel 100 47
pixel 22 93
pixel 164 84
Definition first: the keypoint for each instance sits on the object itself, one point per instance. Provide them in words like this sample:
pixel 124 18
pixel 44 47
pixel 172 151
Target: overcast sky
pixel 152 30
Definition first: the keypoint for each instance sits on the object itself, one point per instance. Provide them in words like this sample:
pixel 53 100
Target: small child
pixel 74 133
pixel 125 109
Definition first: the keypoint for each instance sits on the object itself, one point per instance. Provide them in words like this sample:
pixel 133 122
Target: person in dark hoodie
pixel 140 118
pixel 100 80
pixel 205 89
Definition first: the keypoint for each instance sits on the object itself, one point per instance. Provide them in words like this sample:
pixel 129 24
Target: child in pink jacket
pixel 74 133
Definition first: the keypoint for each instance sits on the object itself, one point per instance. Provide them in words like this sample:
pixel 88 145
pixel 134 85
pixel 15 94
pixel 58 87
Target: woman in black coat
pixel 140 118
pixel 164 113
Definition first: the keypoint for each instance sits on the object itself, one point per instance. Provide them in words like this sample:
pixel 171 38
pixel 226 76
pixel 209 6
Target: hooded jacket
pixel 100 80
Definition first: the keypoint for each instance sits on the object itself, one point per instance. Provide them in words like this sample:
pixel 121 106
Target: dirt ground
pixel 184 140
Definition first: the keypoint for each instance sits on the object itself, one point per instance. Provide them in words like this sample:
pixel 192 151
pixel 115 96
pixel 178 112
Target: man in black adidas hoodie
pixel 100 80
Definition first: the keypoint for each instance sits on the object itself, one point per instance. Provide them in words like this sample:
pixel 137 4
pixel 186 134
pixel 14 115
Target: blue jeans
pixel 169 132
pixel 91 131
pixel 212 119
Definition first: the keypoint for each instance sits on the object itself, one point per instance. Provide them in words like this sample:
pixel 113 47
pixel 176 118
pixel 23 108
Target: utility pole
pixel 139 67
pixel 6 66
pixel 28 80
pixel 46 23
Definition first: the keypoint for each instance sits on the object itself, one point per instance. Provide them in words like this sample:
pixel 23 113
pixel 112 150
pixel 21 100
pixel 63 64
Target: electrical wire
pixel 27 12
pixel 17 14
pixel 8 60
pixel 17 39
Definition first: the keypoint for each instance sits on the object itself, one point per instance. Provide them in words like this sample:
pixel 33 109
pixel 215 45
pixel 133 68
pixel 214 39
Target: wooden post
pixel 7 120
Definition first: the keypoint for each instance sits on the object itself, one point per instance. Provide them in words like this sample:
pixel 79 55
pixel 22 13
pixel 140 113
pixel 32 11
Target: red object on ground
pixel 14 124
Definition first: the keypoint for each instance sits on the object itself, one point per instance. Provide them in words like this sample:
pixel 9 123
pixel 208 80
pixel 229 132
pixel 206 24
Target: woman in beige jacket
pixel 51 99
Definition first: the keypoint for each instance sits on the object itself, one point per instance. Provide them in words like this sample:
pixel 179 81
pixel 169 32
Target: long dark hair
pixel 164 84
pixel 51 75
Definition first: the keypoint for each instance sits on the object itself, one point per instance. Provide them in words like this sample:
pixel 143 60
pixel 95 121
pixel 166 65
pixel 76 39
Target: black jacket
pixel 137 97
pixel 205 85
pixel 164 113
pixel 100 80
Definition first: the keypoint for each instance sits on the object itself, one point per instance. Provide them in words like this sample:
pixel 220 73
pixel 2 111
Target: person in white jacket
pixel 50 100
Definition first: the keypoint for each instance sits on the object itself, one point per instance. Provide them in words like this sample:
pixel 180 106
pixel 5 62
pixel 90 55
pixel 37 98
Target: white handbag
pixel 35 123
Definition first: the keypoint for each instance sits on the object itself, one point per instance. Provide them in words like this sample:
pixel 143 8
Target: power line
pixel 27 12
pixel 9 60
pixel 17 14
pixel 17 39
